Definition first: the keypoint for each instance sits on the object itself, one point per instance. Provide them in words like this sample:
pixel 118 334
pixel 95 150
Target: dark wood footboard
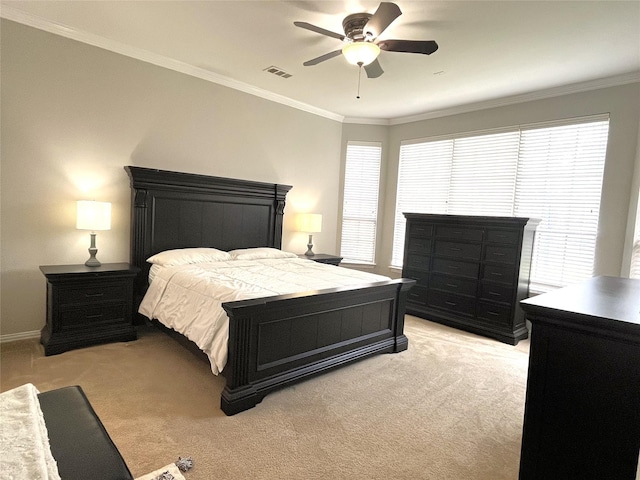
pixel 279 340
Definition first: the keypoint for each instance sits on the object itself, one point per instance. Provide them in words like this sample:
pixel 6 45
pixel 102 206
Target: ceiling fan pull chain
pixel 359 75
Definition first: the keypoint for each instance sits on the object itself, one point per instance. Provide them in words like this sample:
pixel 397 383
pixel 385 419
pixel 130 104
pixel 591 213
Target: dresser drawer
pixel 91 317
pixel 417 295
pixel 421 278
pixel 510 237
pixel 496 253
pixel 94 292
pixel 416 261
pixel 464 286
pixel 499 315
pixel 459 233
pixel 496 292
pixel 499 273
pixel 468 251
pixel 455 267
pixel 458 304
pixel 419 245
pixel 420 230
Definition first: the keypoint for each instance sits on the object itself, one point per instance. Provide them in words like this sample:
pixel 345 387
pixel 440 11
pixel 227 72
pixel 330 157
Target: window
pixel 552 172
pixel 360 202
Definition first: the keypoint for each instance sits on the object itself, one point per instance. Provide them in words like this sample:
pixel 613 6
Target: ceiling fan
pixel 362 46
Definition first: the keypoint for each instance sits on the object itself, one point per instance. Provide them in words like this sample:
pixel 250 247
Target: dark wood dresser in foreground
pixel 582 412
pixel 471 271
pixel 88 305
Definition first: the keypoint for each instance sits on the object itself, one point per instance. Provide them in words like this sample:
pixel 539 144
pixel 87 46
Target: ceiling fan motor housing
pixel 354 25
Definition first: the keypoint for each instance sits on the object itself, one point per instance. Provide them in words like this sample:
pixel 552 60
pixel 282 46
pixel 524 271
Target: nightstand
pixel 323 258
pixel 88 305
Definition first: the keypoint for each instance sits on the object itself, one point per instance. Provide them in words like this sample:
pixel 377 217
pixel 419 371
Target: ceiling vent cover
pixel 277 71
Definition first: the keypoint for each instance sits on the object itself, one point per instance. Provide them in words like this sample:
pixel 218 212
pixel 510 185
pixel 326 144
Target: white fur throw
pixel 24 441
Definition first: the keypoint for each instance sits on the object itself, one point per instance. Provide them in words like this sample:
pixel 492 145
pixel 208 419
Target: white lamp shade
pixel 93 215
pixel 358 53
pixel 309 222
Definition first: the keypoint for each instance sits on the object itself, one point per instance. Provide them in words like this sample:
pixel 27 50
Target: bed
pixel 276 340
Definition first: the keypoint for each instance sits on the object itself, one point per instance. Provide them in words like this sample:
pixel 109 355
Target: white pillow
pixel 184 256
pixel 260 252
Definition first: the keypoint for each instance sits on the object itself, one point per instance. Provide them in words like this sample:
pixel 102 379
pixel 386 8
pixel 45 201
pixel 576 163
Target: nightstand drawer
pixel 95 292
pixel 91 317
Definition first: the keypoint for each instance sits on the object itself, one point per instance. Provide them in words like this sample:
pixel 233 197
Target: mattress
pixel 189 298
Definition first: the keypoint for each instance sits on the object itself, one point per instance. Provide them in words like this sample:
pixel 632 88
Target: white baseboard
pixel 12 337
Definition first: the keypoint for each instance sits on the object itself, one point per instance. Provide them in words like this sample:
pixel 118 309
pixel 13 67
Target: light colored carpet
pixel 450 407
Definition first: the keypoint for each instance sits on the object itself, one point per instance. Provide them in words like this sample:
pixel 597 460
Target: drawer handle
pixel 498 254
pixel 94 294
pixel 496 274
pixel 495 314
pixel 99 315
pixel 453 285
pixel 455 249
pixel 453 267
pixel 495 294
pixel 452 304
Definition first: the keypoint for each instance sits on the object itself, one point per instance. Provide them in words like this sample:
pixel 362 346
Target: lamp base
pixel 93 261
pixel 309 252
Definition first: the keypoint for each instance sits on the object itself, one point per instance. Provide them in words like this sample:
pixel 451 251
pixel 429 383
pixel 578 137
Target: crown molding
pixel 627 78
pixel 40 23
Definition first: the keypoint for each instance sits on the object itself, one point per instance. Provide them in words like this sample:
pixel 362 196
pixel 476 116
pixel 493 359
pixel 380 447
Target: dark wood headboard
pixel 179 210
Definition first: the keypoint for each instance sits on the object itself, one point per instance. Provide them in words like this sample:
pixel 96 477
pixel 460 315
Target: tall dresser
pixel 471 271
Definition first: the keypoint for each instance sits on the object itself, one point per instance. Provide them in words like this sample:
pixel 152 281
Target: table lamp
pixel 93 216
pixel 309 223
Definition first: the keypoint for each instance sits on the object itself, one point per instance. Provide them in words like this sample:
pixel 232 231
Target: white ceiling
pixel 489 50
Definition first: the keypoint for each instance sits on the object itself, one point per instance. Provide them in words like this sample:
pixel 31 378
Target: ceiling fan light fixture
pixel 361 53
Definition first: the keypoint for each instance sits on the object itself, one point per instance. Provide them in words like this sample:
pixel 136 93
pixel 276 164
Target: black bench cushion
pixel 79 442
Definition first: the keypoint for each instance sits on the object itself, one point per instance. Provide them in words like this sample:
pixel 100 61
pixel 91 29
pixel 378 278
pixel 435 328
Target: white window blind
pixel 360 202
pixel 560 181
pixel 552 172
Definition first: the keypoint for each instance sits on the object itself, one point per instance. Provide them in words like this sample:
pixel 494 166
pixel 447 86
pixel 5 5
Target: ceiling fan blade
pixel 387 12
pixel 374 69
pixel 426 47
pixel 322 31
pixel 322 58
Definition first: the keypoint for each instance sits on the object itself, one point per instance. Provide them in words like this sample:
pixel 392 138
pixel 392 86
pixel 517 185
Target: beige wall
pixel 73 115
pixel 619 190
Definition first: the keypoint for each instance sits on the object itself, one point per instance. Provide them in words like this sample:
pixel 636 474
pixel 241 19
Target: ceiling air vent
pixel 277 71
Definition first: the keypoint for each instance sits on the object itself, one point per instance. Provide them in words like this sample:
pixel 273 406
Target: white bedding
pixel 188 298
pixel 24 441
